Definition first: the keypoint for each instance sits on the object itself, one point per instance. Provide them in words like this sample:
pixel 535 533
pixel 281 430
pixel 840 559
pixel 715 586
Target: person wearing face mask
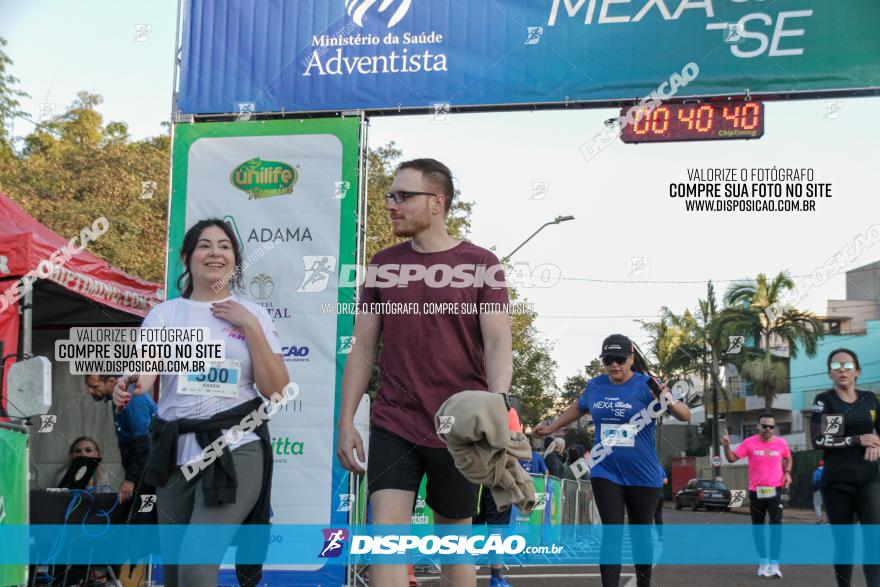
pixel 86 446
pixel 769 472
pixel 624 468
pixel 194 413
pixel 845 425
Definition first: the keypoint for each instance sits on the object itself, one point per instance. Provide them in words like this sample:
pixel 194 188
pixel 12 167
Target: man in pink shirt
pixel 769 471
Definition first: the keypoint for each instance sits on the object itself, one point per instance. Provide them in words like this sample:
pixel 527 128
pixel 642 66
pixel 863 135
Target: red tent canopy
pixel 84 290
pixel 24 242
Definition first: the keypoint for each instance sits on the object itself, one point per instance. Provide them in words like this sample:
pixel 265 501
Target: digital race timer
pixel 696 122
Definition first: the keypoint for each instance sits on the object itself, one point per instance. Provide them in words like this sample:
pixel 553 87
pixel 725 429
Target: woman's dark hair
pixel 854 356
pixel 640 363
pixel 191 239
pixel 573 454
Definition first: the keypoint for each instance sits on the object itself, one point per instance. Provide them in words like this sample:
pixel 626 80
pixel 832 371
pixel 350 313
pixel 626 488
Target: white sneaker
pixel 763 569
pixel 773 570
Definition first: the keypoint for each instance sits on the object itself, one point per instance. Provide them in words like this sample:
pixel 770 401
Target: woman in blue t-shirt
pixel 624 467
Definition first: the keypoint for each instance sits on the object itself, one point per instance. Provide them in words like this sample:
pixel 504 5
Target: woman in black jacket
pixel 845 424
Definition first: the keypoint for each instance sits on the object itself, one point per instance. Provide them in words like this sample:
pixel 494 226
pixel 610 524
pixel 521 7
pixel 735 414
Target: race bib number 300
pixel 618 435
pixel 220 380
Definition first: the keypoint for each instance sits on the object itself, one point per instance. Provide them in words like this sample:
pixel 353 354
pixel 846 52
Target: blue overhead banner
pixel 331 55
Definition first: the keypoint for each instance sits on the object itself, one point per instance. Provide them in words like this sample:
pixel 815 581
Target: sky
pixel 631 248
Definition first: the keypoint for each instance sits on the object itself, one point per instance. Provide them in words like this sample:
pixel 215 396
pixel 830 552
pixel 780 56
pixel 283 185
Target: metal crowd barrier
pixel 576 508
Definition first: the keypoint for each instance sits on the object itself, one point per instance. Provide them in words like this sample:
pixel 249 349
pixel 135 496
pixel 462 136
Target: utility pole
pixel 716 469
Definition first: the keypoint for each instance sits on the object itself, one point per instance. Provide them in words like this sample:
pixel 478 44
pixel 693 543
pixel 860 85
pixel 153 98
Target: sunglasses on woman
pixel 615 360
pixel 848 365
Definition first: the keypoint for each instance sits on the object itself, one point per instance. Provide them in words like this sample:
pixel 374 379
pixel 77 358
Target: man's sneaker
pixel 499 582
pixel 773 570
pixel 763 570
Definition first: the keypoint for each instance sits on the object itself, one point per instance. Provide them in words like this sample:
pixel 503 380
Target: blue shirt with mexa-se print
pixel 631 458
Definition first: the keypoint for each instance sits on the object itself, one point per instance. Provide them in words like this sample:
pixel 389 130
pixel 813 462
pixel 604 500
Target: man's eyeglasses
pixel 615 360
pixel 402 196
pixel 848 365
pixel 768 426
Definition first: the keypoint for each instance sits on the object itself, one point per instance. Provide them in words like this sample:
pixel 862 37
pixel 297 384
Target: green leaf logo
pixel 264 179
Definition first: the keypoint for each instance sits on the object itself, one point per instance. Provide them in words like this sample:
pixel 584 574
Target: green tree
pixel 756 309
pixel 73 169
pixel 575 384
pixel 534 370
pixel 573 388
pixel 690 343
pixel 9 105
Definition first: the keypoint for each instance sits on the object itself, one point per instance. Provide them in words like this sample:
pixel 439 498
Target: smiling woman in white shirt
pixel 234 488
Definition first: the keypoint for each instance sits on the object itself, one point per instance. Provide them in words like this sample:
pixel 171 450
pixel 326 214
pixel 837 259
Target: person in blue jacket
pixel 624 468
pixel 536 466
pixel 817 492
pixel 132 432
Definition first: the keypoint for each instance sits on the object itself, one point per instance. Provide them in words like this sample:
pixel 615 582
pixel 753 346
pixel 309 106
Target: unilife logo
pixel 357 9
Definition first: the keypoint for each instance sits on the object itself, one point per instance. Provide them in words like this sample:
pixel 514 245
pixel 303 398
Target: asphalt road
pixel 673 575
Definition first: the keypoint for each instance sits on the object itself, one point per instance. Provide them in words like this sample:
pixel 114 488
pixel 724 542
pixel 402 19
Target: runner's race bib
pixel 220 380
pixel 618 435
pixel 765 492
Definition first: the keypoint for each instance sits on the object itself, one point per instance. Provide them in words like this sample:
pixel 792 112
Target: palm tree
pixel 714 344
pixel 756 309
pixel 673 350
pixel 691 343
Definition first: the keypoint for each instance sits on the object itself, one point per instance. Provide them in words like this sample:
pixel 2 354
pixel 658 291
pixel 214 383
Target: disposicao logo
pixel 334 542
pixel 357 8
pixel 264 179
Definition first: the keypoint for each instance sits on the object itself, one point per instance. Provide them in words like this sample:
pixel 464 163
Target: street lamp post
pixel 556 220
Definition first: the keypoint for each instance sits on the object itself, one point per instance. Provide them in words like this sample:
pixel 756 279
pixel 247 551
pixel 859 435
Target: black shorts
pixel 489 513
pixel 396 463
pixel 762 508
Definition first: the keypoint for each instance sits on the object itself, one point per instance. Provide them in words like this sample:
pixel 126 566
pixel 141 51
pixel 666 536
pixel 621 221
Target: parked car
pixel 706 493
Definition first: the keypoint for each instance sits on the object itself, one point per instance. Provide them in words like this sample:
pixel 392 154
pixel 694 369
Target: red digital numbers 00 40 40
pixel 694 122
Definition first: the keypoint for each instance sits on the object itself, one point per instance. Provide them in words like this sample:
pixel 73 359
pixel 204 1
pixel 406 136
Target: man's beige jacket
pixel 474 425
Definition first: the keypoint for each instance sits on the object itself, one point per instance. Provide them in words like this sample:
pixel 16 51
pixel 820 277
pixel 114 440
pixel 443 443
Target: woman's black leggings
pixel 639 503
pixel 845 502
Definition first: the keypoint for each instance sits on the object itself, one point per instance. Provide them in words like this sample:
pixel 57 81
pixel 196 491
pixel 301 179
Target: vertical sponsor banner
pixel 519 518
pixel 552 511
pixel 290 190
pixel 13 499
pixel 422 514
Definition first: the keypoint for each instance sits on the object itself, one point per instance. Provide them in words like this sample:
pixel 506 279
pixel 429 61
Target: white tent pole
pixel 27 318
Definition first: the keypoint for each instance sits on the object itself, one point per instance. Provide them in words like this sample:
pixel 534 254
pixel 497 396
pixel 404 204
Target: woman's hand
pixel 234 313
pixel 869 440
pixel 121 396
pixel 542 430
pixel 872 453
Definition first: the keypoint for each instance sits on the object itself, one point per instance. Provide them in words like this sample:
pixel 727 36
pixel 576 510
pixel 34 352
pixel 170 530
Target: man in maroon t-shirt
pixel 439 306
